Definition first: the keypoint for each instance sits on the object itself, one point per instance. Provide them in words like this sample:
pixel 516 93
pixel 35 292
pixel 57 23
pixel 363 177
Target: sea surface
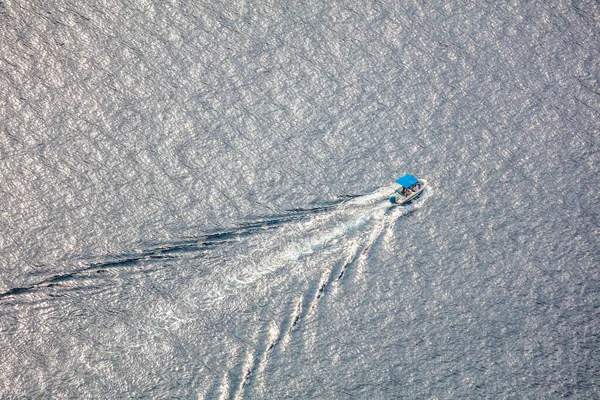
pixel 194 199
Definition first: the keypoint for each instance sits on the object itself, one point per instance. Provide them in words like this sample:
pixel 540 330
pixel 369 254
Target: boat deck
pixel 404 199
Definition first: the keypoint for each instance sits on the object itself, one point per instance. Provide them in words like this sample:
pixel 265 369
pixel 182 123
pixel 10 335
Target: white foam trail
pixel 353 219
pixel 377 196
pixel 376 213
pixel 340 231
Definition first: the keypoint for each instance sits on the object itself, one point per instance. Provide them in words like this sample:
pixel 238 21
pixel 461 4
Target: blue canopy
pixel 407 180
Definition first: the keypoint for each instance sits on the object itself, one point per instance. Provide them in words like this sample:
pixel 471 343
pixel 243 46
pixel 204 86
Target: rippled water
pixel 194 200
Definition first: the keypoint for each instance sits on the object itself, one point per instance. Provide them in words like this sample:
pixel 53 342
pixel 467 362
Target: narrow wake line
pixel 277 338
pixel 144 258
pixel 174 250
pixel 385 214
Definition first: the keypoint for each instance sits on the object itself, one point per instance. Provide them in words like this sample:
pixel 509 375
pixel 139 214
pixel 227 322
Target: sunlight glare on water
pixel 195 199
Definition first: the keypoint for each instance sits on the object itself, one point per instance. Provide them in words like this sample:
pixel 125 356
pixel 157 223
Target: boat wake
pixel 346 231
pixel 298 243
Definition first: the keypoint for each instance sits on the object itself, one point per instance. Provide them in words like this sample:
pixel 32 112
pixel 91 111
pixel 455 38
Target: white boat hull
pixel 406 199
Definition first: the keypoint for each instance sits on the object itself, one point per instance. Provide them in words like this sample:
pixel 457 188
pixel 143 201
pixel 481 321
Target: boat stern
pixel 410 187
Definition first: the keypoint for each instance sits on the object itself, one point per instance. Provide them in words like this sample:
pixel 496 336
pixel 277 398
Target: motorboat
pixel 410 187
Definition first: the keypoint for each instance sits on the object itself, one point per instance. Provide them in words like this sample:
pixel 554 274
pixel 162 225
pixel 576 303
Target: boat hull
pixel 405 200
